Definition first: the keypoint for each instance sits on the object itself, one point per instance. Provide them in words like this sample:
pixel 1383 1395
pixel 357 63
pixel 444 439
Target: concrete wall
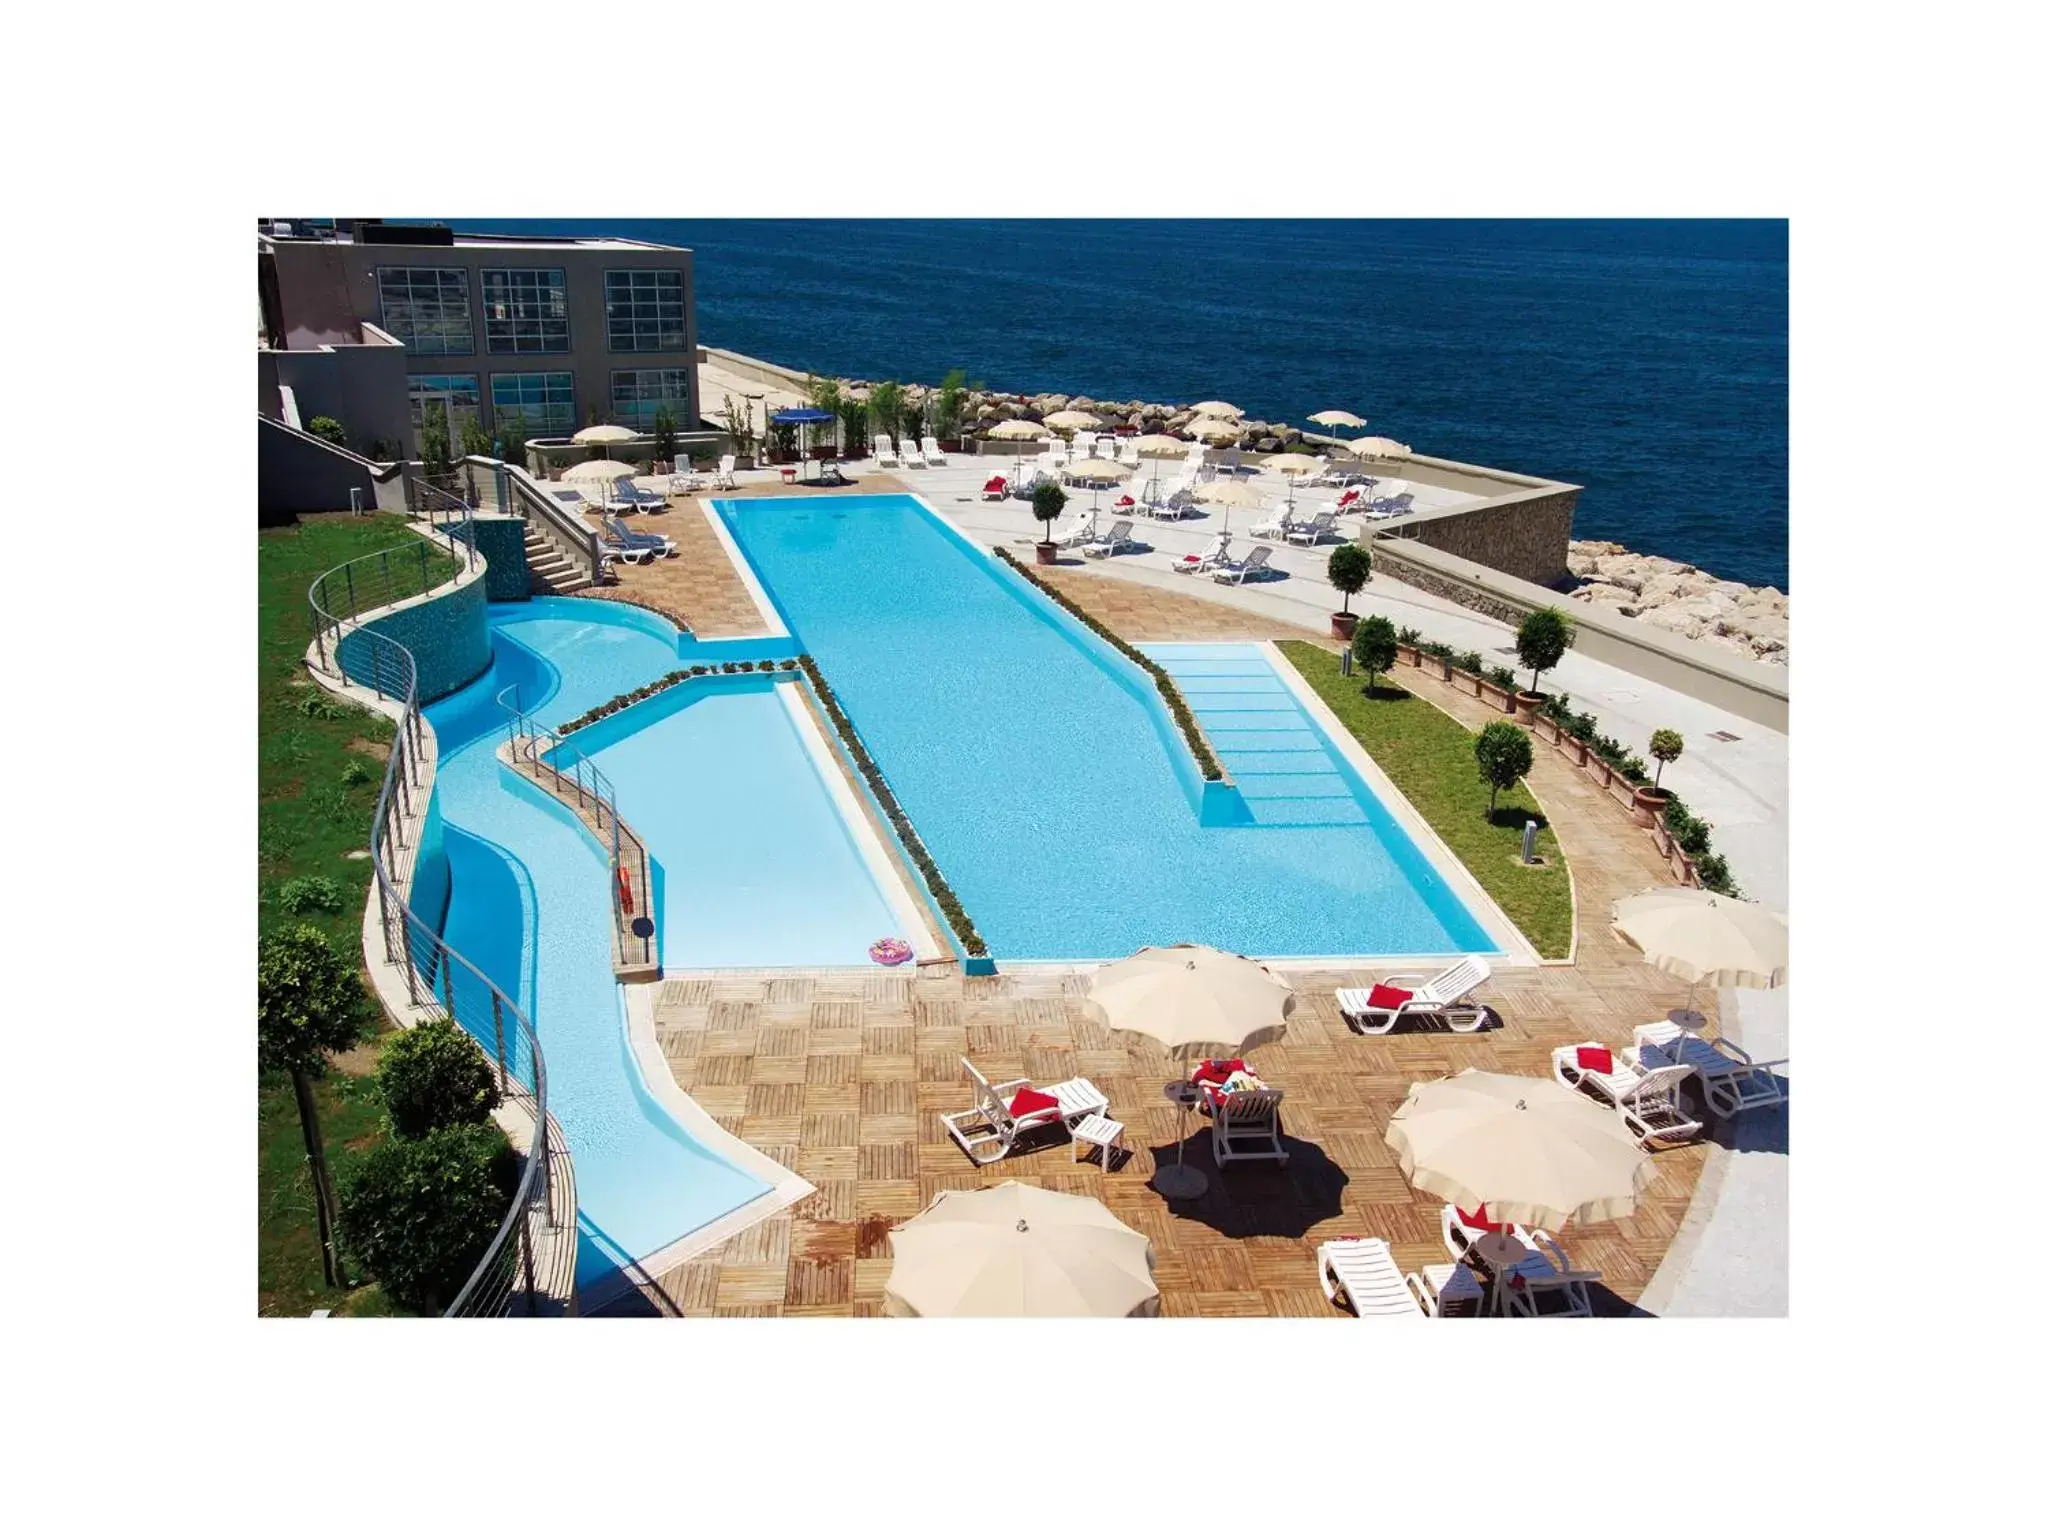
pixel 501 540
pixel 1526 534
pixel 307 272
pixel 362 387
pixel 448 635
pixel 298 473
pixel 1746 688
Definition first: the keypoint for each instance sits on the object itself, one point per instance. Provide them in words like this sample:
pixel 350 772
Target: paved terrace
pixel 842 1076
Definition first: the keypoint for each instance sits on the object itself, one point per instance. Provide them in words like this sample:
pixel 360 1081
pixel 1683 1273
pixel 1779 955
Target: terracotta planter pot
pixel 1526 705
pixel 1574 748
pixel 1499 697
pixel 1597 769
pixel 1649 805
pixel 1445 668
pixel 1343 625
pixel 1048 554
pixel 1407 653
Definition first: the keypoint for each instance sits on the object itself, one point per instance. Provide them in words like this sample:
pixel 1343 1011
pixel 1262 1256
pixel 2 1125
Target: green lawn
pixel 1428 755
pixel 309 817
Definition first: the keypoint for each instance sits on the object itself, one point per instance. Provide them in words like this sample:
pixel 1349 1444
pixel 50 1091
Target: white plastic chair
pixel 1647 1101
pixel 1444 995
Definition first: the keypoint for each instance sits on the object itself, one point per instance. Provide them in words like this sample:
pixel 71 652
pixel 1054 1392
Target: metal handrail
pixel 523 496
pixel 439 981
pixel 547 752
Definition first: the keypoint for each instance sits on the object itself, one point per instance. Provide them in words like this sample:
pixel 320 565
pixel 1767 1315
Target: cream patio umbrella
pixel 1093 472
pixel 1016 431
pixel 1294 466
pixel 595 470
pixel 1530 1150
pixel 605 432
pixel 1337 419
pixel 1378 448
pixel 1701 936
pixel 1158 445
pixel 1227 494
pixel 1189 997
pixel 1073 421
pixel 1213 428
pixel 1017 1251
pixel 1215 408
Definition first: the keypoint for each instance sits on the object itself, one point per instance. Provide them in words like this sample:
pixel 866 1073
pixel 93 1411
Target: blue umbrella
pixel 801 416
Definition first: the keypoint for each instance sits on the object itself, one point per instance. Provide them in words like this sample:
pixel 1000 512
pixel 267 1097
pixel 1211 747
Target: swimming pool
pixel 753 866
pixel 1036 766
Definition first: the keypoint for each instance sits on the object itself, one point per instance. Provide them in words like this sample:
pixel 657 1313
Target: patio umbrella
pixel 803 418
pixel 1530 1150
pixel 1215 408
pixel 1293 466
pixel 1227 494
pixel 1018 1251
pixel 1073 420
pixel 1213 427
pixel 599 470
pixel 1158 445
pixel 1016 431
pixel 605 433
pixel 1190 996
pixel 1699 936
pixel 1094 472
pixel 1378 448
pixel 1337 419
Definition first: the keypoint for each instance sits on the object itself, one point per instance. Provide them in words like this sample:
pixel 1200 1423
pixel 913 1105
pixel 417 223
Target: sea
pixel 1644 360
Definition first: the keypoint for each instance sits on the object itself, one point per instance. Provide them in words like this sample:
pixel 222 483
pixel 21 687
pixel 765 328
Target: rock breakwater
pixel 1752 622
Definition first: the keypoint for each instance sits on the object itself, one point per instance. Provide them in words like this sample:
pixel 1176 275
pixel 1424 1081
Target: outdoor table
pixel 1096 1131
pixel 1499 1252
pixel 1691 1020
pixel 1180 1182
pixel 789 474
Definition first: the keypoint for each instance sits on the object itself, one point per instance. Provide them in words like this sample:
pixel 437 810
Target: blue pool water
pixel 528 905
pixel 1038 769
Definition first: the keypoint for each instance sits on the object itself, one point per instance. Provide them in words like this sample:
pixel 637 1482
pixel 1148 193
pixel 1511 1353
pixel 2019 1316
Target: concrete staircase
pixel 547 569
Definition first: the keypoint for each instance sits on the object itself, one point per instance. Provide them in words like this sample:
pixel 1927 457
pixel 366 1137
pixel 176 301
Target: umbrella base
pixel 1177 1181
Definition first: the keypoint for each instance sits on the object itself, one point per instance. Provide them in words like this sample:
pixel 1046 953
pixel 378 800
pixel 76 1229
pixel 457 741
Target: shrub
pixel 1665 745
pixel 1048 501
pixel 311 893
pixel 1713 873
pixel 327 429
pixel 318 704
pixel 1351 568
pixel 664 434
pixel 885 408
pixel 1473 662
pixel 355 771
pixel 1504 754
pixel 1372 645
pixel 1501 677
pixel 1440 651
pixel 436 1076
pixel 419 1214
pixel 952 398
pixel 1558 707
pixel 511 445
pixel 1409 635
pixel 475 439
pixel 1541 642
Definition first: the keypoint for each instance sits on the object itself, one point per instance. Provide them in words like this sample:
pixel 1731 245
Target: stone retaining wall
pixel 1528 536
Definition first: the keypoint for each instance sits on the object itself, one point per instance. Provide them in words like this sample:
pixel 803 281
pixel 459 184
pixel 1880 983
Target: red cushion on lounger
pixel 1477 1219
pixel 1125 501
pixel 1029 1101
pixel 1596 1058
pixel 995 484
pixel 1386 997
pixel 1216 1071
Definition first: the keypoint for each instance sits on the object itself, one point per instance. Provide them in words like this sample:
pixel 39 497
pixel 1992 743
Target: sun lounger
pixel 1323 525
pixel 885 452
pixel 631 553
pixel 1545 1285
pixel 684 482
pixel 619 533
pixel 1080 533
pixel 1362 1270
pixel 1194 565
pixel 1731 1080
pixel 1444 996
pixel 933 454
pixel 911 455
pixel 723 480
pixel 1115 541
pixel 996 488
pixel 989 1130
pixel 1246 1127
pixel 1383 508
pixel 1647 1101
pixel 1276 526
pixel 1254 563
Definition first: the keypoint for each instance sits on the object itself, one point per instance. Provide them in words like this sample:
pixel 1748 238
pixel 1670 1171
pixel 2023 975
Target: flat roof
pixel 316 235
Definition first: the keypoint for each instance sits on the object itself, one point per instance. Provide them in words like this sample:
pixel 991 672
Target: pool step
pixel 548 570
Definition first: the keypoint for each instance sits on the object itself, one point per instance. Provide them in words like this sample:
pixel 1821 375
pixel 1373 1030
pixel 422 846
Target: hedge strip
pixel 1175 704
pixel 942 893
pixel 662 684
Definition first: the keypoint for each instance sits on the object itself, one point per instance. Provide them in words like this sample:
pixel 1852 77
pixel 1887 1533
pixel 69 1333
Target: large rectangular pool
pixel 1039 768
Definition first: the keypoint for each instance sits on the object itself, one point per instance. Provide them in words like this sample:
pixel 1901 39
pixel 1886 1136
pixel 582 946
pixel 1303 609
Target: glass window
pixel 458 388
pixel 545 402
pixel 427 308
pixel 644 312
pixel 525 310
pixel 637 393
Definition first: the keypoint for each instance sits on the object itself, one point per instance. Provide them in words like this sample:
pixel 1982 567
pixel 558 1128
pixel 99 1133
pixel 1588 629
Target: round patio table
pixel 1499 1252
pixel 1180 1182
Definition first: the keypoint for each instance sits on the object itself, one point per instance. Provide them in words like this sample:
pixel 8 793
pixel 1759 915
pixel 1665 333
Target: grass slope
pixel 309 817
pixel 1428 755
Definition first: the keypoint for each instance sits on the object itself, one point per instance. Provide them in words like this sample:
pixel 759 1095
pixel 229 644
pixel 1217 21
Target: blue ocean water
pixel 1642 359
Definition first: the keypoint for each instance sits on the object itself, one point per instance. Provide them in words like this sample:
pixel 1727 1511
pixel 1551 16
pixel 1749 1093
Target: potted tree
pixel 1541 642
pixel 1372 645
pixel 1666 746
pixel 664 440
pixel 1504 753
pixel 1048 501
pixel 1350 569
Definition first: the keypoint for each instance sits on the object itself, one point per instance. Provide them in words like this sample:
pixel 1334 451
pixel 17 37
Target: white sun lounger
pixel 1363 1271
pixel 1545 1284
pixel 1276 526
pixel 1730 1078
pixel 724 480
pixel 1323 525
pixel 1194 565
pixel 933 454
pixel 1385 507
pixel 1080 533
pixel 885 452
pixel 1246 1127
pixel 1646 1101
pixel 989 1130
pixel 910 455
pixel 1118 538
pixel 1253 564
pixel 1444 996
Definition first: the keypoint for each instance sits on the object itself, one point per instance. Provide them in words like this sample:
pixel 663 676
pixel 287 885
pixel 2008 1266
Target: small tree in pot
pixel 1048 501
pixel 665 436
pixel 1373 646
pixel 1350 568
pixel 1541 643
pixel 1505 753
pixel 1666 746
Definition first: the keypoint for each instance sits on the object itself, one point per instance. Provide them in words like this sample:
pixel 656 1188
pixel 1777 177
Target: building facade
pixel 545 333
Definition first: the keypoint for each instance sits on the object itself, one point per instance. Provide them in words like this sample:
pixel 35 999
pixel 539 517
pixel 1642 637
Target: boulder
pixel 1763 628
pixel 1621 570
pixel 1675 620
pixel 1263 445
pixel 1600 594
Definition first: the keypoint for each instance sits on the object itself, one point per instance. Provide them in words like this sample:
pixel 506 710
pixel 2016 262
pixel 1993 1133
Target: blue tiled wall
pixel 448 636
